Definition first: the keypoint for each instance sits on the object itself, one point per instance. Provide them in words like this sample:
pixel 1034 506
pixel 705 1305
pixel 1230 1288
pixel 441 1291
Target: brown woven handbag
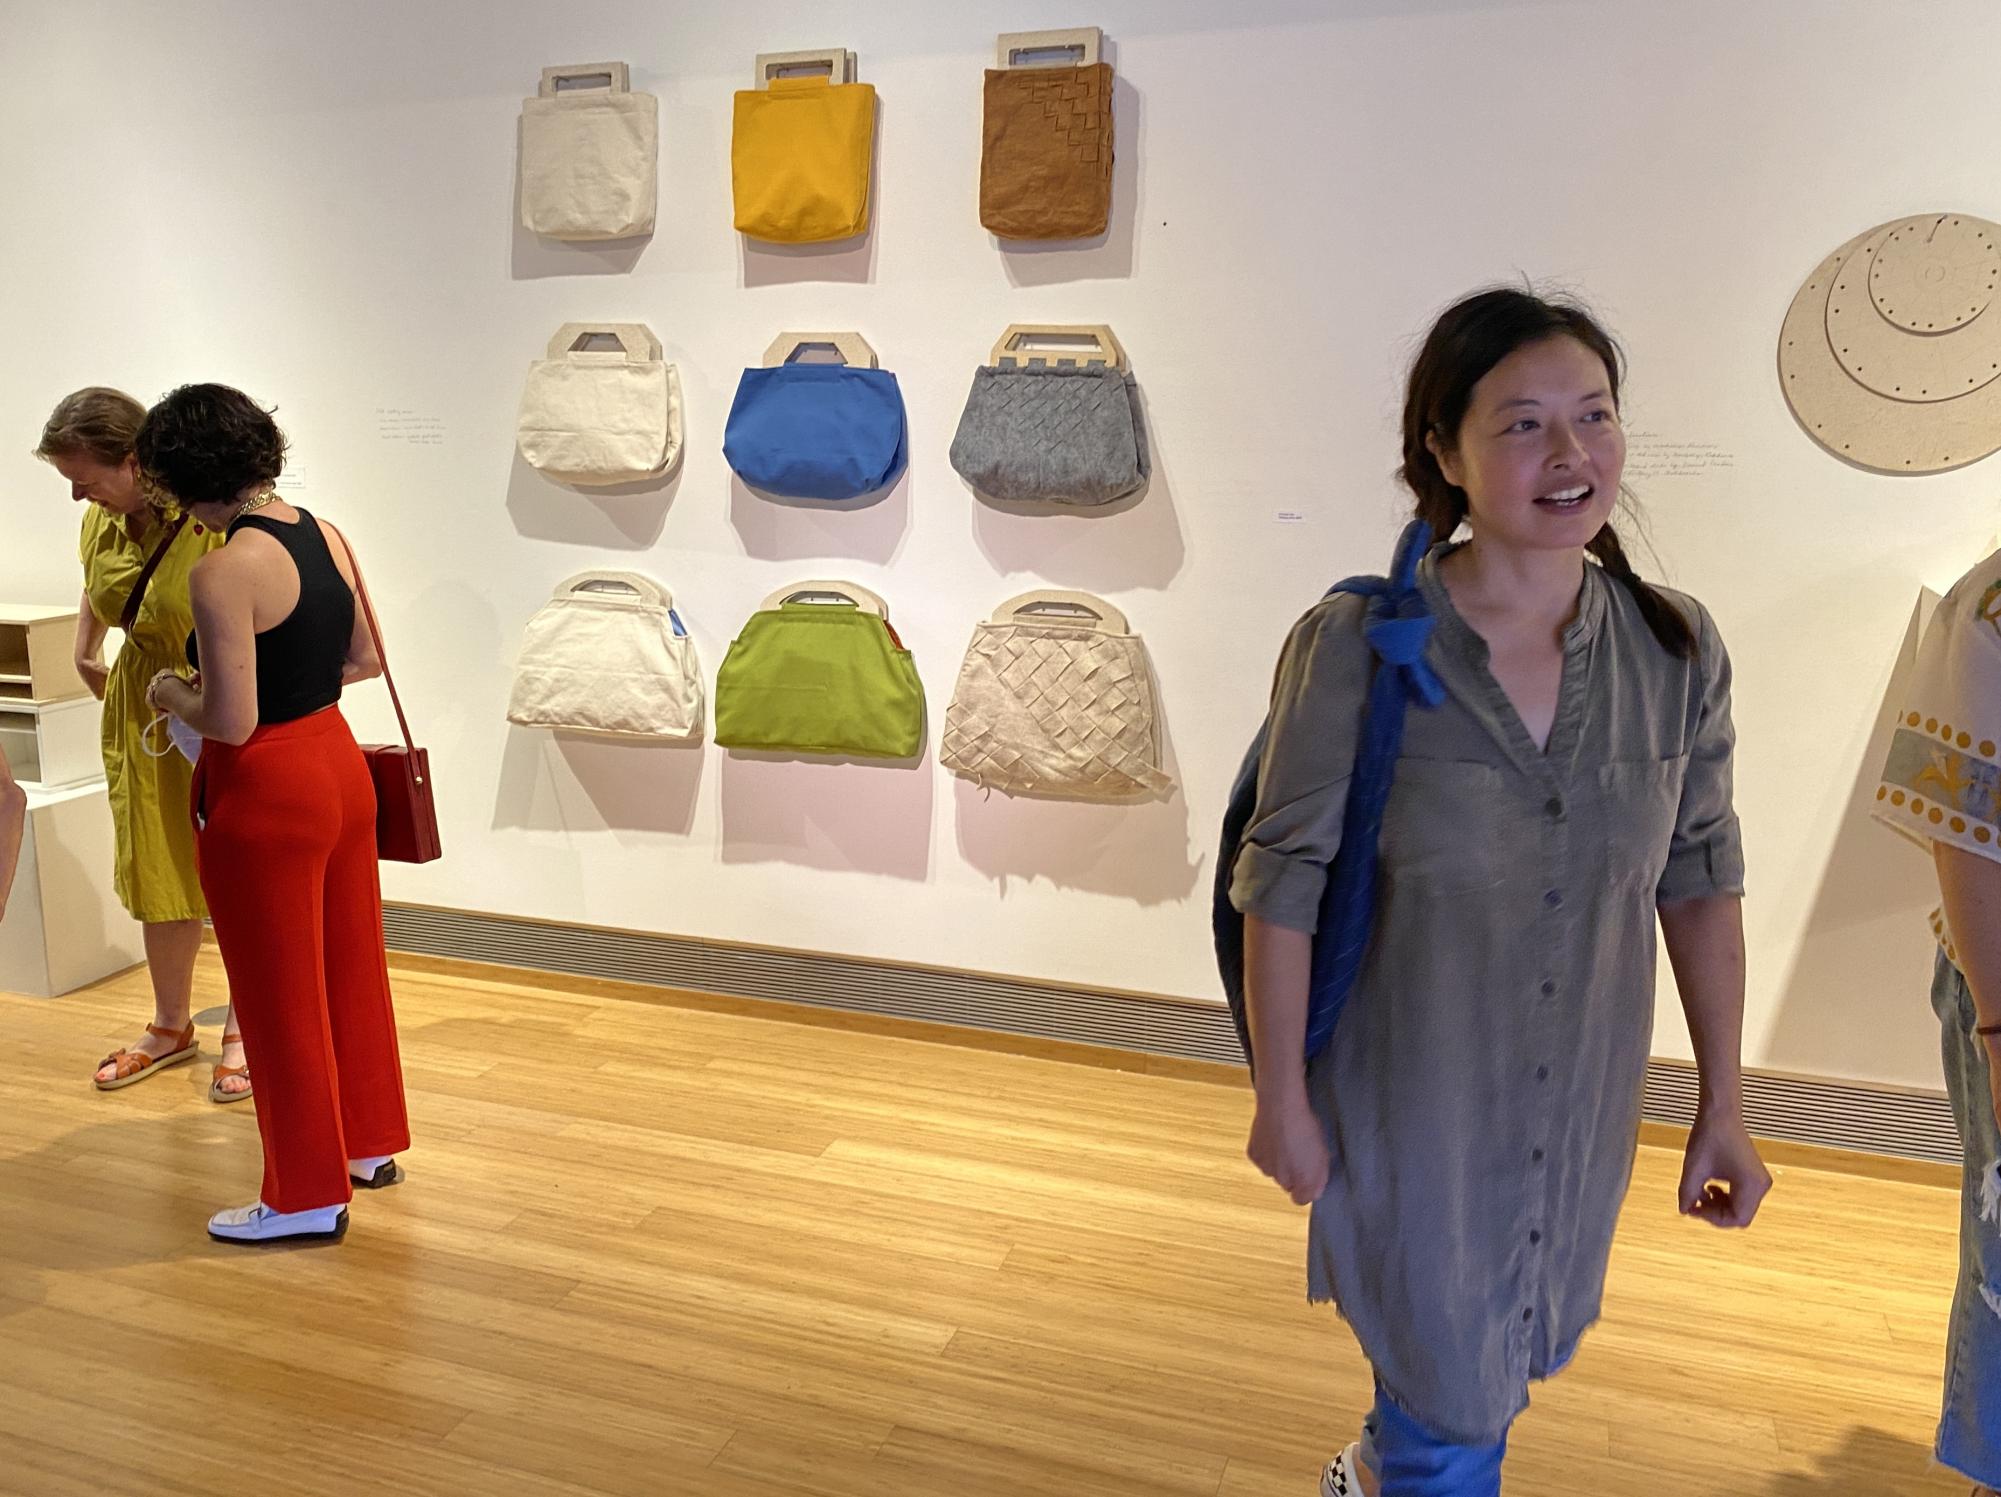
pixel 1046 140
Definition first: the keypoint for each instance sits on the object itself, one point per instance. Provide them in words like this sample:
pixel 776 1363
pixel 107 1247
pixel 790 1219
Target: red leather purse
pixel 406 812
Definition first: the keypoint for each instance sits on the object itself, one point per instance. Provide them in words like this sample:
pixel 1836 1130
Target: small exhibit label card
pixel 412 428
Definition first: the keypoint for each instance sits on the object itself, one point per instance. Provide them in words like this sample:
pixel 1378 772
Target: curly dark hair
pixel 205 444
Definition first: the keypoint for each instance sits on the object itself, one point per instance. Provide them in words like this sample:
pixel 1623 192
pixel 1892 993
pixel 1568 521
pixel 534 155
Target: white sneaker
pixel 259 1224
pixel 1339 1479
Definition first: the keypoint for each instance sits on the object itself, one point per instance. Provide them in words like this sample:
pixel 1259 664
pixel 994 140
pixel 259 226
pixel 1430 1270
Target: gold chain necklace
pixel 255 502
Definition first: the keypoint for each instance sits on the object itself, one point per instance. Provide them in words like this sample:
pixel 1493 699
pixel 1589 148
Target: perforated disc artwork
pixel 1891 352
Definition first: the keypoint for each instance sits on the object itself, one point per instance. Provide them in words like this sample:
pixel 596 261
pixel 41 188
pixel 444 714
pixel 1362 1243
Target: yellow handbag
pixel 802 149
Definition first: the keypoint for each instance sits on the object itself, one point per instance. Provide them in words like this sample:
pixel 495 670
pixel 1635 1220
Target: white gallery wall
pixel 316 202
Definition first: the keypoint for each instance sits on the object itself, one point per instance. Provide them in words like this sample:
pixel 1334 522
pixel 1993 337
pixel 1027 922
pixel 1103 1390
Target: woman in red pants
pixel 284 815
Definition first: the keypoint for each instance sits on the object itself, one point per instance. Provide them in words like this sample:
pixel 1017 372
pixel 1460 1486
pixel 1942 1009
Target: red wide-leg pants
pixel 285 843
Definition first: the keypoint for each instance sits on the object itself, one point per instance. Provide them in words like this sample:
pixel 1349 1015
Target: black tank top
pixel 299 659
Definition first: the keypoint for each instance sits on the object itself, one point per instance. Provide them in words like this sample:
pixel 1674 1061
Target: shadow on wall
pixel 1137 850
pixel 620 516
pixel 1109 256
pixel 1874 896
pixel 839 815
pixel 851 261
pixel 573 782
pixel 1872 1463
pixel 777 528
pixel 1078 546
pixel 456 618
pixel 536 257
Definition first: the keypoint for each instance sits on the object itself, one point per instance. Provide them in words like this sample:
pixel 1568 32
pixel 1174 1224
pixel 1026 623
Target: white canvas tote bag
pixel 590 154
pixel 594 416
pixel 608 654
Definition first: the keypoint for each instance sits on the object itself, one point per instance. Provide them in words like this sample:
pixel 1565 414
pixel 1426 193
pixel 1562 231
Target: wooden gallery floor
pixel 710 1248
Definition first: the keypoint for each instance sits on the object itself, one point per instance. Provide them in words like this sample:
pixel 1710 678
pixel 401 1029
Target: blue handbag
pixel 1398 629
pixel 818 431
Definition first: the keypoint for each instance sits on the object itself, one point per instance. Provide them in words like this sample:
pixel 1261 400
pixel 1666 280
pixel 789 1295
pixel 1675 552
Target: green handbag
pixel 818 670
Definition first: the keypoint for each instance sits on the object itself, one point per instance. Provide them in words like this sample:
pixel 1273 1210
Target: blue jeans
pixel 1410 1461
pixel 1969 1431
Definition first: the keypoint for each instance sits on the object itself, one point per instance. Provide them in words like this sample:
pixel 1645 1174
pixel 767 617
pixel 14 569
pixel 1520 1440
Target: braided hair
pixel 1469 339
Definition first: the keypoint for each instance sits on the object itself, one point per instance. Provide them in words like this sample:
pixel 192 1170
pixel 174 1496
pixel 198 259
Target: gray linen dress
pixel 1482 1093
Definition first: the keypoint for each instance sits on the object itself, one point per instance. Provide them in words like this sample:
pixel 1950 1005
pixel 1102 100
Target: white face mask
pixel 179 736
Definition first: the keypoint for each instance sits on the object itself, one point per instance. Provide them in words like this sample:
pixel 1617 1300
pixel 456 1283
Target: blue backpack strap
pixel 1398 628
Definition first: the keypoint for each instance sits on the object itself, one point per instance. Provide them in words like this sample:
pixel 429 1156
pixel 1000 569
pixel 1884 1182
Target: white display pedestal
pixel 64 926
pixel 53 744
pixel 49 721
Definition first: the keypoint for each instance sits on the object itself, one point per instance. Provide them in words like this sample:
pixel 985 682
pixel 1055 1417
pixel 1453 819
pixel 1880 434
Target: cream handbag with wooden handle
pixel 593 416
pixel 1056 698
pixel 608 654
pixel 590 154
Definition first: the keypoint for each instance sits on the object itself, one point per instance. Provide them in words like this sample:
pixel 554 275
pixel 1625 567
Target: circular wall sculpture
pixel 1891 353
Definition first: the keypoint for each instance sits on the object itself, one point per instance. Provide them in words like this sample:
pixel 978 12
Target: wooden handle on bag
pixel 840 64
pixel 618 78
pixel 1055 606
pixel 635 339
pixel 1087 42
pixel 1103 347
pixel 614 585
pixel 853 348
pixel 829 594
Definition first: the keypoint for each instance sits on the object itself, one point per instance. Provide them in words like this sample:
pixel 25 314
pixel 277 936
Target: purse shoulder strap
pixel 1397 625
pixel 375 634
pixel 129 614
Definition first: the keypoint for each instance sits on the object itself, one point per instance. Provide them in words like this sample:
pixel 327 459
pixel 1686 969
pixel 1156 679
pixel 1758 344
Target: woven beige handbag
pixel 1056 698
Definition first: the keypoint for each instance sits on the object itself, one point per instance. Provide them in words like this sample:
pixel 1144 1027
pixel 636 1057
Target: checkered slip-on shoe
pixel 1339 1479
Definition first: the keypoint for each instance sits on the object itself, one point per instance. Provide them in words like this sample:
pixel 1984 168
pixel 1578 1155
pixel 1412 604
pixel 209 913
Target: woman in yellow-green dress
pixel 89 441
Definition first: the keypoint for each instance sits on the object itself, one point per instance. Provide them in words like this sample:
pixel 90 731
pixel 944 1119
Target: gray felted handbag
pixel 1054 426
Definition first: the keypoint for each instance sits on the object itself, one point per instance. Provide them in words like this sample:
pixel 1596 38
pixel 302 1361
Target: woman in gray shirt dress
pixel 1467 1138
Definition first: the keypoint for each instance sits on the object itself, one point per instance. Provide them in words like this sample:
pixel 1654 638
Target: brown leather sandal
pixel 137 1065
pixel 222 1073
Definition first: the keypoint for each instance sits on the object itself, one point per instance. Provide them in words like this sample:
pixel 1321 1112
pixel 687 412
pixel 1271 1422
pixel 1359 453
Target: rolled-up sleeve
pixel 1309 756
pixel 1707 854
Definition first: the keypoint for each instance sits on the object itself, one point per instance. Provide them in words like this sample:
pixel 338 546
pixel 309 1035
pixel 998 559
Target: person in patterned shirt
pixel 1941 785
